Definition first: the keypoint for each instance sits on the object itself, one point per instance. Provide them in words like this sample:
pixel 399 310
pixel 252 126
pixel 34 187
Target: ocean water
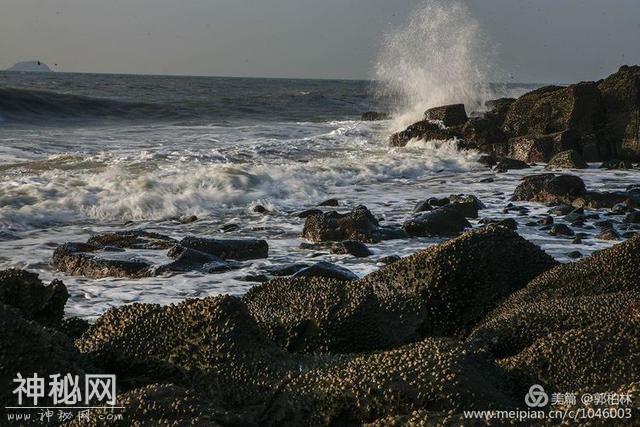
pixel 82 154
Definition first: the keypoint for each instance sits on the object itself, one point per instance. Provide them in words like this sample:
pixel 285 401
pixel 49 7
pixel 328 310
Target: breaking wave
pixel 441 56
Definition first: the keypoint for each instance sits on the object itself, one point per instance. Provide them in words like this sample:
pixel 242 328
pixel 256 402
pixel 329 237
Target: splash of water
pixel 439 57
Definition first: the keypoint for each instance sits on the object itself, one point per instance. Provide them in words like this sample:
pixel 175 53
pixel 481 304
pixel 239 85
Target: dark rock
pixel 577 108
pixel 84 259
pixel 359 224
pixel 308 213
pixel 430 204
pixel 132 239
pixel 257 278
pixel 621 99
pixel 351 247
pixel 74 327
pixel 187 219
pixel 412 379
pixel 327 270
pixel 488 161
pixel 424 130
pixel 561 230
pixel 608 234
pixel 508 223
pixel 498 109
pixel 330 202
pixel 487 180
pixel 466 209
pixel 575 215
pixel 549 188
pixel 463 278
pixel 561 210
pixel 212 344
pixel 547 220
pixel 35 301
pixel 238 249
pixel 616 164
pixel 285 270
pixel 569 328
pixel 187 259
pixel 227 228
pixel 390 259
pixel 448 115
pixel 574 255
pixel 259 209
pixel 633 218
pixel 508 164
pixel 370 116
pixel 443 221
pixel 540 148
pixel 467 198
pixel 569 159
pixel 26 347
pixel 328 315
pixel 484 134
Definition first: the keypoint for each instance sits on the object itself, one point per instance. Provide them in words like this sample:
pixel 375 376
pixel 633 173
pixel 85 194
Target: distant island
pixel 30 66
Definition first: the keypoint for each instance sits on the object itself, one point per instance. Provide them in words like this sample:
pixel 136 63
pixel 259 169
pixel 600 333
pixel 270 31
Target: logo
pixel 536 397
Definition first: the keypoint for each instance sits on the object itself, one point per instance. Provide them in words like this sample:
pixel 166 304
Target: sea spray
pixel 440 56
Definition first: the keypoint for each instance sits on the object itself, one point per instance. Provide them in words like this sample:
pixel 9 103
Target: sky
pixel 536 40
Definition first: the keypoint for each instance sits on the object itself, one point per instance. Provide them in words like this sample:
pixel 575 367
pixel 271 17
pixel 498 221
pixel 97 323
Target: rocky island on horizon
pixel 30 67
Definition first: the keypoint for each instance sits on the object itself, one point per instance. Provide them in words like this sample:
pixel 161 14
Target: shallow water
pixel 64 179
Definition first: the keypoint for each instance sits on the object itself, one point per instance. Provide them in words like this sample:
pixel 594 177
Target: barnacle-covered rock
pixel 159 405
pixel 26 292
pixel 326 315
pixel 215 341
pixel 28 348
pixel 463 279
pixel 437 375
pixel 569 296
pixel 445 221
pixel 359 224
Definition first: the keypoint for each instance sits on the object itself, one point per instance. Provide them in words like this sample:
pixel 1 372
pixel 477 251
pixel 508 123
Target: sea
pixel 82 154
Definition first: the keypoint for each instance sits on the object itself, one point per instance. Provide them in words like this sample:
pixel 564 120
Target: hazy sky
pixel 539 40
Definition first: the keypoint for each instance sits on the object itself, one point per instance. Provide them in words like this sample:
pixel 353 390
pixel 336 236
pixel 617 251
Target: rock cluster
pixel 467 324
pixel 597 120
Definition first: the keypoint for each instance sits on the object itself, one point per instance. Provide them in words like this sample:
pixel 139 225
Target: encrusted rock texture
pixel 466 324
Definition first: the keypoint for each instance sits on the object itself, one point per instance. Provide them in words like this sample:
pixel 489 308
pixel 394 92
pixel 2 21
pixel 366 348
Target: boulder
pixel 448 115
pixel 568 296
pixel 351 247
pixel 508 164
pixel 359 224
pixel 370 116
pixel 316 314
pixel 132 239
pixel 621 99
pixel 327 270
pixel 25 291
pixel 569 159
pixel 425 130
pixel 484 134
pixel 330 202
pixel 91 260
pixel 464 278
pixel 237 249
pixel 187 259
pixel 28 348
pixel 617 164
pixel 285 270
pixel 444 221
pixel 436 375
pixel 573 327
pixel 549 188
pixel 497 109
pixel 551 109
pixel 541 148
pixel 211 343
